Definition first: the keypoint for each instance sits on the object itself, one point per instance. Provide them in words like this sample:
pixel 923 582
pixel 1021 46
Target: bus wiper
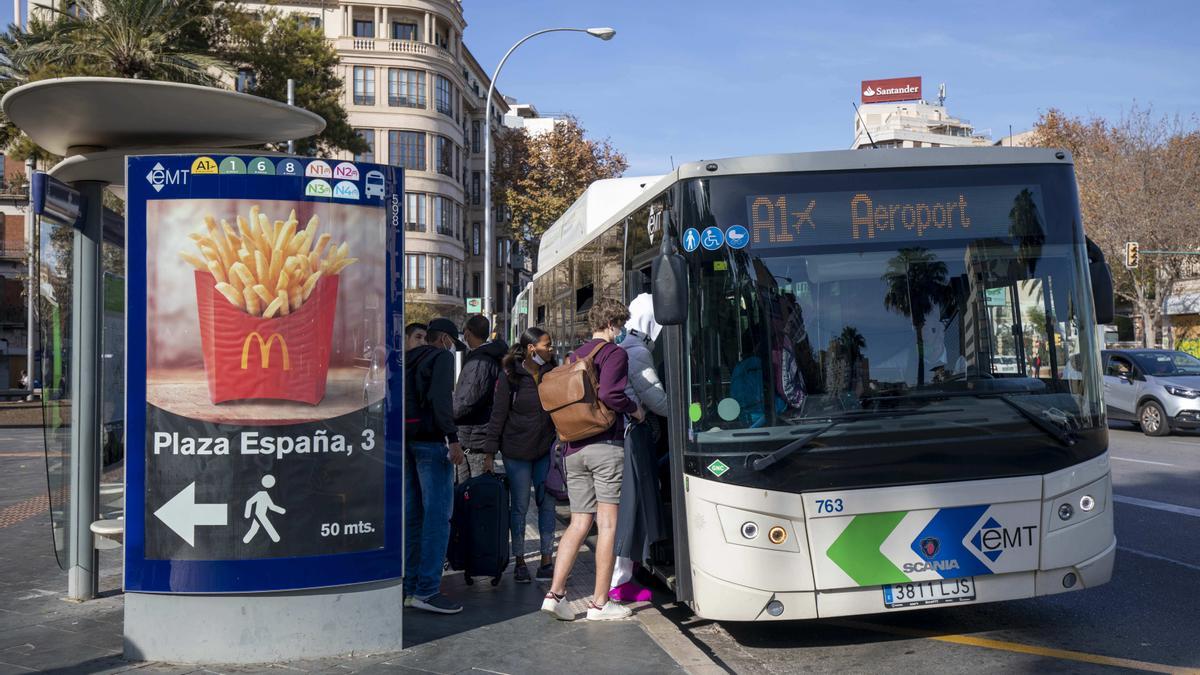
pixel 1059 434
pixel 767 461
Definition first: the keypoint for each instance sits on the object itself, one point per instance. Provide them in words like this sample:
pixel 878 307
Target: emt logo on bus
pixel 264 350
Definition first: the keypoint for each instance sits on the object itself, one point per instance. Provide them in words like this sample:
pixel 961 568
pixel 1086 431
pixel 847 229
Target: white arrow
pixel 182 514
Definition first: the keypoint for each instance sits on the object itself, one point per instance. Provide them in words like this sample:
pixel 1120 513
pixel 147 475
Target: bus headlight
pixel 749 529
pixel 1086 503
pixel 1065 511
pixel 777 535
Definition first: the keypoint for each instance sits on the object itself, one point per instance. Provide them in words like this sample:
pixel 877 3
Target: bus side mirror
pixel 1102 284
pixel 670 288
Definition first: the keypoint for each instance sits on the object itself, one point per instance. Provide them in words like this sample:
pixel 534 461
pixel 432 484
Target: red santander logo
pixel 894 89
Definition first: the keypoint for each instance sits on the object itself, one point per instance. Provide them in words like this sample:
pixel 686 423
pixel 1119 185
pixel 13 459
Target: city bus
pixel 883 369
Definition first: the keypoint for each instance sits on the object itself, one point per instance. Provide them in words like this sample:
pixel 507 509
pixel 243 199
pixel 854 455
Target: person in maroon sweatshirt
pixel 594 468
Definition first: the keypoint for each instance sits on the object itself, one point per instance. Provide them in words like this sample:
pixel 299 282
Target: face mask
pixel 539 360
pixel 620 336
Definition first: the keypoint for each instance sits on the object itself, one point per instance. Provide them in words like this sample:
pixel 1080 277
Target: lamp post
pixel 489 235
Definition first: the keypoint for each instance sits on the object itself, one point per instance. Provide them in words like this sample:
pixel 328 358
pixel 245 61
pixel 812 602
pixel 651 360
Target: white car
pixel 1002 363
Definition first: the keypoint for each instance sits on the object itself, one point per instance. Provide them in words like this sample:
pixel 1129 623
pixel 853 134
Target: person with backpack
pixel 430 454
pixel 474 395
pixel 586 399
pixel 522 431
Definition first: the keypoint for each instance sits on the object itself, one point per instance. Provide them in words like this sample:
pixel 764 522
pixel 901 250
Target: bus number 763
pixel 829 506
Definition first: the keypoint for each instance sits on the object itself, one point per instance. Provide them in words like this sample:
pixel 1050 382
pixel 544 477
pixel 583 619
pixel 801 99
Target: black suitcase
pixel 479 528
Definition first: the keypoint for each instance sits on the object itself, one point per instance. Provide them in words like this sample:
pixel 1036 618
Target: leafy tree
pixel 916 281
pixel 1139 180
pixel 538 176
pixel 276 47
pixel 418 310
pixel 852 344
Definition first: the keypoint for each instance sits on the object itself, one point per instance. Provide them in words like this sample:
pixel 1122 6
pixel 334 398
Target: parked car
pixel 1157 389
pixel 1006 364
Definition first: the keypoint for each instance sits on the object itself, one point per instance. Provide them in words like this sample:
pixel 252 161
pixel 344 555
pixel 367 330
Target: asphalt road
pixel 1145 619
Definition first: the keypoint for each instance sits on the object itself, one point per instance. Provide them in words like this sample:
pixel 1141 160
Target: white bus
pixel 843 439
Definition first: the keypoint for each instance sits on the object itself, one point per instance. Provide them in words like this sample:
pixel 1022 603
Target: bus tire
pixel 1153 420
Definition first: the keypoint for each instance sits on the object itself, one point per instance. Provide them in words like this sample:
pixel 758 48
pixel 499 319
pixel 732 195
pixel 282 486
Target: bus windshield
pixel 888 327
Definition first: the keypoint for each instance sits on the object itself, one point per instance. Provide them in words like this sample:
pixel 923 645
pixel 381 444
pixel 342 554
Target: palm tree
pixel 137 39
pixel 852 344
pixel 1025 226
pixel 916 281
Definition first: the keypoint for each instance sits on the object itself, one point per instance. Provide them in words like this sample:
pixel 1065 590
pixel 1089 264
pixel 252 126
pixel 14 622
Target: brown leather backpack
pixel 571 394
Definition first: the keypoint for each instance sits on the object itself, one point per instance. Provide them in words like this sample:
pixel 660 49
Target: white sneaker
pixel 611 611
pixel 558 607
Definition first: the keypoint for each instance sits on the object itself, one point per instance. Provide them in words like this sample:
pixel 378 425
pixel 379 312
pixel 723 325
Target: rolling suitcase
pixel 479 528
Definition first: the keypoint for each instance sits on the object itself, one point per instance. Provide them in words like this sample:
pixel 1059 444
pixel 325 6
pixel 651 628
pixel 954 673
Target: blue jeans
pixel 428 503
pixel 523 475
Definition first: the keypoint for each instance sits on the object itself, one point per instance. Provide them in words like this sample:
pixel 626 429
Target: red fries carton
pixel 249 357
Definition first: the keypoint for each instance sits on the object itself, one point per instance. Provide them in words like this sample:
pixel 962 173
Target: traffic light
pixel 1131 254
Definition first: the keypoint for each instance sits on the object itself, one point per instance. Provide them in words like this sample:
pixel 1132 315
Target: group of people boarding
pixel 455 430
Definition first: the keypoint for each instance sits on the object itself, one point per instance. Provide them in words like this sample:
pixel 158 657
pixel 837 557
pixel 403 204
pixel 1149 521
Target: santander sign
pixel 894 89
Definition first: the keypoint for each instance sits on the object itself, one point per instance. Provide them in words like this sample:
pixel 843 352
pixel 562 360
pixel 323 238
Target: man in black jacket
pixel 474 395
pixel 431 451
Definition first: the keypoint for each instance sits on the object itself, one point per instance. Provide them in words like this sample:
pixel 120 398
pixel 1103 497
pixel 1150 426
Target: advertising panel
pixel 893 89
pixel 264 388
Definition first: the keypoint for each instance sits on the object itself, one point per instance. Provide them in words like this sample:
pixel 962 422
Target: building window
pixel 414 267
pixel 367 135
pixel 476 181
pixel 476 238
pixel 444 156
pixel 476 133
pixel 475 285
pixel 364 85
pixel 406 88
pixel 444 95
pixel 364 28
pixel 414 212
pixel 404 31
pixel 407 149
pixel 443 275
pixel 443 215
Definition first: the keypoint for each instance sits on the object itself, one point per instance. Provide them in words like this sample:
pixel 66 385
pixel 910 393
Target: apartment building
pixel 14 260
pixel 416 94
pixel 894 115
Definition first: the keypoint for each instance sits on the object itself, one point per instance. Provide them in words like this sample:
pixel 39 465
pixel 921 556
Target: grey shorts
pixel 594 475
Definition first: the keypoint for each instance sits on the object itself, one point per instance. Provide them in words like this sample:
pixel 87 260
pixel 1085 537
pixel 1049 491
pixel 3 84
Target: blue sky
pixel 698 79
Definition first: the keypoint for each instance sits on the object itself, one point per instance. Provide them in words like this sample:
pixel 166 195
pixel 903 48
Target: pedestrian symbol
pixel 691 240
pixel 259 506
pixel 712 238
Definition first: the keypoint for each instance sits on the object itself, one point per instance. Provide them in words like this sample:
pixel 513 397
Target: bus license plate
pixel 929 592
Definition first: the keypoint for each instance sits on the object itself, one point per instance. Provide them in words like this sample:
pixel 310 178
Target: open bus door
pixel 670 293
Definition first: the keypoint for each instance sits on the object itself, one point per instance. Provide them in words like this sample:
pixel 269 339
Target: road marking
pixel 1155 556
pixel 1144 461
pixel 1018 648
pixel 1159 506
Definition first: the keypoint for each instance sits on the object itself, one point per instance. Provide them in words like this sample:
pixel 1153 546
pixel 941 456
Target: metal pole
pixel 291 96
pixel 86 292
pixel 31 284
pixel 489 235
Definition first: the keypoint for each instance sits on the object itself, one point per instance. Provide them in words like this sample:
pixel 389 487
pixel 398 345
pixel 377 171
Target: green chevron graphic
pixel 856 550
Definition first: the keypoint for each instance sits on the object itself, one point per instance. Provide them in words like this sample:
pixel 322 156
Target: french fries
pixel 266 268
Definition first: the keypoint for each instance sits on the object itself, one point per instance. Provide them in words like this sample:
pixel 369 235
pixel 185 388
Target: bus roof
pixel 583 219
pixel 607 201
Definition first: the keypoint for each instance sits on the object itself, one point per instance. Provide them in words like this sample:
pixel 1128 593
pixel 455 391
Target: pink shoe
pixel 630 592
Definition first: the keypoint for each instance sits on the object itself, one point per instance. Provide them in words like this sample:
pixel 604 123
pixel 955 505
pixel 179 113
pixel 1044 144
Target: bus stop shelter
pixel 96 124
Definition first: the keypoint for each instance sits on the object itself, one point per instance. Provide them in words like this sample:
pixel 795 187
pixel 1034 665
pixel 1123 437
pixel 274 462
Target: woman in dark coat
pixel 522 432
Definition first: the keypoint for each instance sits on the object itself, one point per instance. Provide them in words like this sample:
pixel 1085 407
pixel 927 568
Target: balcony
pixel 362 44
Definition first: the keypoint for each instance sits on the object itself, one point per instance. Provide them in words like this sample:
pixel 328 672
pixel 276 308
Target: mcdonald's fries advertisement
pixel 265 311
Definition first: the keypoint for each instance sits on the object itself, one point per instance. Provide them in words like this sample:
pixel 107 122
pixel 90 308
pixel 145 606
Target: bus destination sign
pixel 825 218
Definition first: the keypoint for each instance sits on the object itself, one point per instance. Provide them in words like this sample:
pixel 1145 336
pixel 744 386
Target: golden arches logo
pixel 264 350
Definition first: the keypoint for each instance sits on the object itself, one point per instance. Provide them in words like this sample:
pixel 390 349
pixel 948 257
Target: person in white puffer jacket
pixel 645 388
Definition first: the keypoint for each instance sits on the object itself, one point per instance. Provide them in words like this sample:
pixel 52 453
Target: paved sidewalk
pixel 501 631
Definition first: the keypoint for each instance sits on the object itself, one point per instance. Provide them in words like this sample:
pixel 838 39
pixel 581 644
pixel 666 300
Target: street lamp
pixel 489 243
